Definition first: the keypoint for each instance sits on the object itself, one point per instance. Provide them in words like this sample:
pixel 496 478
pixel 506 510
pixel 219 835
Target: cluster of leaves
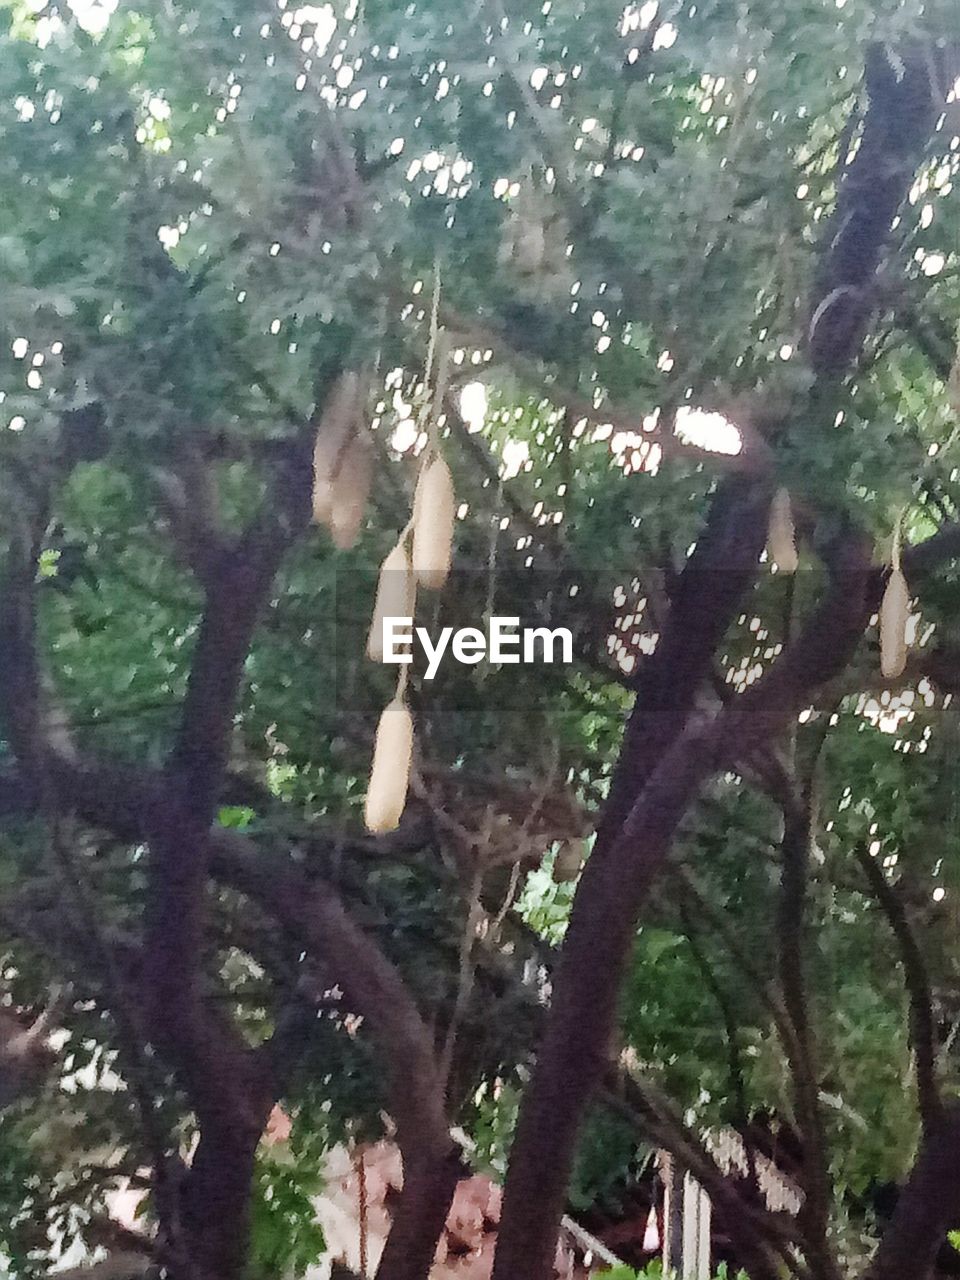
pixel 655 1272
pixel 287 1239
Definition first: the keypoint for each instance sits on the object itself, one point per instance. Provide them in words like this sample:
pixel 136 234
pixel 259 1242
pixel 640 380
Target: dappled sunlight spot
pixel 93 15
pixel 320 17
pixel 889 712
pixel 402 407
pixel 628 641
pixel 404 436
pixel 931 264
pixel 638 17
pixel 666 36
pixel 646 458
pixel 47 28
pixel 745 674
pixel 448 176
pixel 160 109
pixel 708 430
pixel 473 405
pixel 515 454
pixel 624 440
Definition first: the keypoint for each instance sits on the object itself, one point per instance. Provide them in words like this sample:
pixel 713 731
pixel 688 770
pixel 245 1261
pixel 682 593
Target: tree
pixel 696 256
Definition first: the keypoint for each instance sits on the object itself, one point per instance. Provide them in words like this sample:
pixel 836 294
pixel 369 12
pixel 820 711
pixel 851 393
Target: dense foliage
pixel 654 244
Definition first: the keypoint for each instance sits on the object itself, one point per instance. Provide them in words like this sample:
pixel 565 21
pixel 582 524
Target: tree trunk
pixel 928 1207
pixel 428 1188
pixel 574 1054
pixel 582 1018
pixel 632 842
pixel 215 1205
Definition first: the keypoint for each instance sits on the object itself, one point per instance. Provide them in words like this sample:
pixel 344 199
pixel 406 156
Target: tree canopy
pixel 640 276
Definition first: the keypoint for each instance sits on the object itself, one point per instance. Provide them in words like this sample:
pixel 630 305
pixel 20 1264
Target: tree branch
pixel 184 806
pixel 795 865
pixel 754 457
pixel 188 497
pixel 928 1206
pixel 611 892
pixel 900 118
pixel 703 605
pixel 313 912
pixel 21 700
pixel 740 1110
pixel 917 982
pixel 760 1235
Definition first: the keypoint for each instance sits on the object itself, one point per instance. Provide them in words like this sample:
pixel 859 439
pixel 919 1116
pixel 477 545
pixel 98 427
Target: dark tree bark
pixel 904 102
pixel 667 755
pixel 574 1051
pixel 227 1084
pixel 793 938
pixel 216 1199
pixel 229 1087
pixel 428 1188
pixel 313 912
pixel 708 595
pixel 923 1037
pixel 121 801
pixel 573 1055
pixel 928 1206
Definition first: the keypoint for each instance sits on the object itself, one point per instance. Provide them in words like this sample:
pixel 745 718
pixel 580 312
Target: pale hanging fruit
pixel 782 536
pixel 434 511
pixel 390 772
pixel 894 615
pixel 351 489
pixel 396 596
pixel 568 861
pixel 337 423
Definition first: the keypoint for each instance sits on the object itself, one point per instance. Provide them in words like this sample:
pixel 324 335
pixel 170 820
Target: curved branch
pixel 705 602
pixel 611 892
pixel 795 854
pixel 760 1235
pixel 917 982
pixel 903 107
pixel 741 1111
pixel 314 912
pixel 754 458
pixel 928 1206
pixel 177 812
